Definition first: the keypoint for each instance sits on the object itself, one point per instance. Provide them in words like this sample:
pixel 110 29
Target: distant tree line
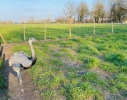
pixel 6 22
pixel 101 11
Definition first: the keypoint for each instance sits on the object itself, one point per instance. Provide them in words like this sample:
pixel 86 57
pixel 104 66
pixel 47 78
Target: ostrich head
pixel 31 40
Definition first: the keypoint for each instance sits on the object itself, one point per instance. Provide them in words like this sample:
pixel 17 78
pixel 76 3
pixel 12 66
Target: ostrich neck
pixel 33 55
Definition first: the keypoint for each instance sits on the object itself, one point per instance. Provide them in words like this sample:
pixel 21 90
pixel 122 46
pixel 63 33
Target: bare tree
pixel 41 21
pixel 22 21
pixel 49 19
pixel 31 20
pixel 10 22
pixel 61 19
pixel 69 12
pixel 82 11
pixel 98 12
pixel 118 10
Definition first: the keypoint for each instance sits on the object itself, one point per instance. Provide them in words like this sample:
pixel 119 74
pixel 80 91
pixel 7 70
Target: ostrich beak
pixel 35 40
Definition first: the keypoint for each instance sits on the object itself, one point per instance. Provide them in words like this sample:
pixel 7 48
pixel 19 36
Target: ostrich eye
pixel 32 39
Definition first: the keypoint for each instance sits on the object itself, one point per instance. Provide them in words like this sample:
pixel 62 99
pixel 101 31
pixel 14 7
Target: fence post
pixel 24 33
pixel 94 28
pixel 70 28
pixel 2 38
pixel 112 27
pixel 44 30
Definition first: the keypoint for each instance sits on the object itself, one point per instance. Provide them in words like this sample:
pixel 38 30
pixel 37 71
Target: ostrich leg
pixel 17 69
pixel 20 80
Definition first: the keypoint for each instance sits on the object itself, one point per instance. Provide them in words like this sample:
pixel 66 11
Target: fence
pixel 22 32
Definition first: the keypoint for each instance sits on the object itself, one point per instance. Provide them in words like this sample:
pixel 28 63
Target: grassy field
pixel 14 33
pixel 91 68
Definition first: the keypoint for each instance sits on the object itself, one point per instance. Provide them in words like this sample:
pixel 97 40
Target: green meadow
pixel 85 67
pixel 14 32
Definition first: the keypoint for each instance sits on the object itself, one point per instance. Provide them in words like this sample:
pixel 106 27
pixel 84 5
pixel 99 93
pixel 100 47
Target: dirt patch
pixel 12 88
pixel 102 74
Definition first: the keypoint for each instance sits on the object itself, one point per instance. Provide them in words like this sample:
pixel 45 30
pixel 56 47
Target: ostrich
pixel 20 60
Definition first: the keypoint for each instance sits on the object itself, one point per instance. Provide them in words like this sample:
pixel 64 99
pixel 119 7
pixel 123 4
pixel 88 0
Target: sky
pixel 18 10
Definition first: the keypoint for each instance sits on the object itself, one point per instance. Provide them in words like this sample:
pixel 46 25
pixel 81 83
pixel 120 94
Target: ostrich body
pixel 20 60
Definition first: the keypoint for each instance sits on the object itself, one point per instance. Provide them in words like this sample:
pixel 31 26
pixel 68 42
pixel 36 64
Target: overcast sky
pixel 24 9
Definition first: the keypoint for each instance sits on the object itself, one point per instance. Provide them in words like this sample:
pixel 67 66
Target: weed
pixel 91 62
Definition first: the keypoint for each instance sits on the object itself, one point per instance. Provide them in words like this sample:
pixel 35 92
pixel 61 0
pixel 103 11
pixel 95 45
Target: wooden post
pixel 112 27
pixel 70 27
pixel 94 28
pixel 112 21
pixel 24 33
pixel 2 38
pixel 44 30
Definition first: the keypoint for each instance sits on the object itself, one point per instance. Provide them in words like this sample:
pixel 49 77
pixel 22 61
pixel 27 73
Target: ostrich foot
pixel 22 90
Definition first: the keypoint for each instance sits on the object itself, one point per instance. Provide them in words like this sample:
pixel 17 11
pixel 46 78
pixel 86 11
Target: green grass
pixel 14 32
pixel 81 68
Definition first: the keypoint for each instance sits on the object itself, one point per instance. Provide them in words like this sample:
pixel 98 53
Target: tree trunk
pixel 102 19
